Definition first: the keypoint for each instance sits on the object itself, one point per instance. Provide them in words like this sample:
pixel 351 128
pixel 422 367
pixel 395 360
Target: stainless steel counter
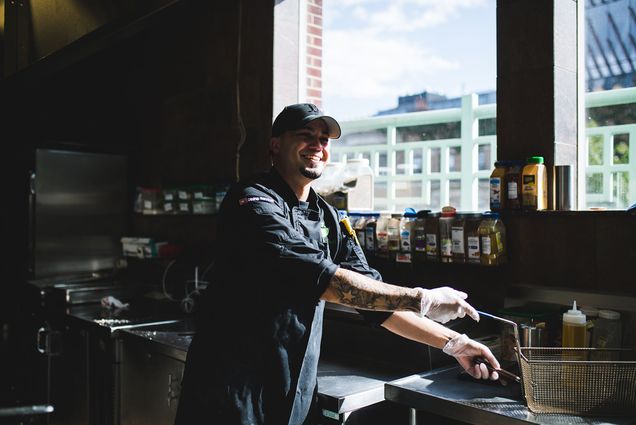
pixel 476 402
pixel 344 388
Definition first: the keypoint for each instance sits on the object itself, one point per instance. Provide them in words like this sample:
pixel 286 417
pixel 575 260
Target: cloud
pixel 363 65
pixel 401 15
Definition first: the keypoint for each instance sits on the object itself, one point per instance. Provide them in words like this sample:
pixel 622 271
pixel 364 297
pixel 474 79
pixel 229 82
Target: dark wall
pixel 173 93
pixel 582 250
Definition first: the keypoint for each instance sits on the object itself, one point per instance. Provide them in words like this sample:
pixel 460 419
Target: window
pixel 607 166
pixel 403 108
pixel 404 79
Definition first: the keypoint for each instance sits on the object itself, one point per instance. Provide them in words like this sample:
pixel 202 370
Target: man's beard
pixel 311 173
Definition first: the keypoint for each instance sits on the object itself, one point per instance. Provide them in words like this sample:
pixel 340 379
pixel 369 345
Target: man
pixel 282 253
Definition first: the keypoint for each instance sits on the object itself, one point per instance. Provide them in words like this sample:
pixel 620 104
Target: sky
pixel 377 50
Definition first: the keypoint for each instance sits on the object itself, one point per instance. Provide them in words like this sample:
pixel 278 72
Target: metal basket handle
pixel 516 334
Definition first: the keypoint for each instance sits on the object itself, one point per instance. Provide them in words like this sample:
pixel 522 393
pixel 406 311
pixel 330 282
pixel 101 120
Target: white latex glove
pixel 466 350
pixel 444 304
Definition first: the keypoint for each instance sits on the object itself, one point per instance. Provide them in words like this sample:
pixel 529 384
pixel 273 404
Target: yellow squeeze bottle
pixel 574 331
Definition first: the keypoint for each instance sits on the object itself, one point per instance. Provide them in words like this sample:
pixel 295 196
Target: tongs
pixel 502 372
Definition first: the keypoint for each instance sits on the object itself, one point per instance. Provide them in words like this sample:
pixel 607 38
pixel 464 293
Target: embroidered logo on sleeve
pixel 249 199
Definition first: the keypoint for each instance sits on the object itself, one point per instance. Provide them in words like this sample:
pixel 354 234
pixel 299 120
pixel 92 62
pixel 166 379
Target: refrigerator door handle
pixel 31 225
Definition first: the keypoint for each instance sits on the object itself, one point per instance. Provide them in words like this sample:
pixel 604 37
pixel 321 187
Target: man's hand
pixel 444 304
pixel 466 351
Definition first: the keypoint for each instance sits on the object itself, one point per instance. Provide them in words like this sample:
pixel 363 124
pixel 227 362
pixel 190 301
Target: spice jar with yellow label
pixel 535 185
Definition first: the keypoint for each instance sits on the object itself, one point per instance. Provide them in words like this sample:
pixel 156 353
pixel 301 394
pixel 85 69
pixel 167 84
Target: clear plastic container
pixel 331 179
pixel 445 234
pixel 358 179
pixel 149 200
pixel 591 314
pixel 607 333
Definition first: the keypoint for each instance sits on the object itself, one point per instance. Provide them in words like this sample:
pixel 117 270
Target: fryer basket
pixel 565 380
pixel 576 381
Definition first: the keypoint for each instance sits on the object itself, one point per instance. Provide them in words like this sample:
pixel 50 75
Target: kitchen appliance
pixel 78 210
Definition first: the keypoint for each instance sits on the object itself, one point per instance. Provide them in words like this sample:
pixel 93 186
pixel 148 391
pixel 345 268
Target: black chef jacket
pixel 254 358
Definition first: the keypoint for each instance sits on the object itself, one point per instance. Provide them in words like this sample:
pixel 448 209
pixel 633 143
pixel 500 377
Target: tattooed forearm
pixel 356 290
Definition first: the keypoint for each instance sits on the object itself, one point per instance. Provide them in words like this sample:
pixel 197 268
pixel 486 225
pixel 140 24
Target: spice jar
pixel 431 229
pixel 393 234
pixel 419 236
pixel 492 234
pixel 497 186
pixel 370 243
pixel 382 235
pixel 514 185
pixel 458 250
pixel 445 234
pixel 407 223
pixel 358 222
pixel 473 253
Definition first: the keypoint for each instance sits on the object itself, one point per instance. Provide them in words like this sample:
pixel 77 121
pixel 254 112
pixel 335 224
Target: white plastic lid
pixel 574 316
pixel 589 311
pixel 609 314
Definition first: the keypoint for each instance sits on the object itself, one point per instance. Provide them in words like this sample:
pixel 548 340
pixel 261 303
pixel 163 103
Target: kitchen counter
pixel 444 393
pixel 342 387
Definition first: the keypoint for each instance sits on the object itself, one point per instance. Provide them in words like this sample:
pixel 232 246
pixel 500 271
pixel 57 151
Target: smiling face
pixel 300 155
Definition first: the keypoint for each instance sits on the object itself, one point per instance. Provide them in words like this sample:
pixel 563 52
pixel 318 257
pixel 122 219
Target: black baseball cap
pixel 293 117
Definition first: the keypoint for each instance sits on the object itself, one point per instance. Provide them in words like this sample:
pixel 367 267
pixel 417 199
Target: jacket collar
pixel 286 192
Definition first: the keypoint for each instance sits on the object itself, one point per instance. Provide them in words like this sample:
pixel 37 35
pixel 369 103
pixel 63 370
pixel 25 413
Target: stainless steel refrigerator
pixel 78 212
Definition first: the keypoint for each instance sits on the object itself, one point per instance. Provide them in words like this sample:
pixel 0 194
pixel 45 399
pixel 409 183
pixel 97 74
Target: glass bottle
pixel 445 234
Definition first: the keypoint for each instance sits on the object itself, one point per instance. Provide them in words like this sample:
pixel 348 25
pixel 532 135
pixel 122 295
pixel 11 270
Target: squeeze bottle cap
pixel 574 316
pixel 535 160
